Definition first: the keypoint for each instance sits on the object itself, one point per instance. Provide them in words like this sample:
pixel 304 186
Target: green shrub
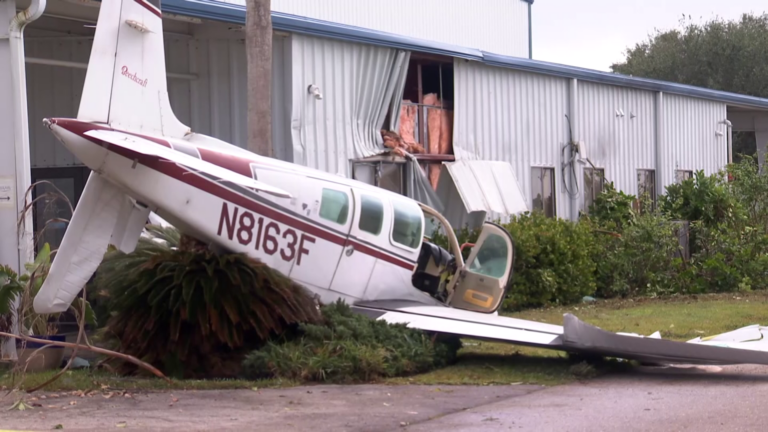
pixel 553 261
pixel 612 209
pixel 730 258
pixel 191 312
pixel 750 190
pixel 644 260
pixel 350 347
pixel 699 198
pixel 10 288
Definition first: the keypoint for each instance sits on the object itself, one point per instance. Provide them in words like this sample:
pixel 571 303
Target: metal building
pixel 343 72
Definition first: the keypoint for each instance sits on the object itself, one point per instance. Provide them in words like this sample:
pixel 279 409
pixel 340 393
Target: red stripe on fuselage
pixel 236 164
pixel 150 7
pixel 230 162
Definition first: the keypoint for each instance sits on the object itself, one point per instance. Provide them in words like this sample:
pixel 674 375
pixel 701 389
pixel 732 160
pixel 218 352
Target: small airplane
pixel 340 238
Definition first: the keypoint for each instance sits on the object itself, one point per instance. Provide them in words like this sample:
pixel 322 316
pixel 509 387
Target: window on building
pixel 594 179
pixel 334 206
pixel 682 175
pixel 371 214
pixel 646 189
pixel 543 190
pixel 407 225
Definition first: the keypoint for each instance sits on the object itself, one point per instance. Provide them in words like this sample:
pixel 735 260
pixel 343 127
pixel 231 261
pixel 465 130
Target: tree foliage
pixel 717 54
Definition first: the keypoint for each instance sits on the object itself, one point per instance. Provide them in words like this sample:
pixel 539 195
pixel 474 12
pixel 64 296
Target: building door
pixel 55 197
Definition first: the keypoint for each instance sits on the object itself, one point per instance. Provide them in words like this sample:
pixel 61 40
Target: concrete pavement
pixel 670 399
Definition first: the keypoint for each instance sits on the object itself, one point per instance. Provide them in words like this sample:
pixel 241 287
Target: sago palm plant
pixel 192 312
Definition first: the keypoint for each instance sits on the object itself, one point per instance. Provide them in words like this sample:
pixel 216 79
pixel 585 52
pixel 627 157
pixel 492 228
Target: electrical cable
pixel 571 162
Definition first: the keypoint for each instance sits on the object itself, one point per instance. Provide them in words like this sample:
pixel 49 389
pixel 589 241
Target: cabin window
pixel 492 259
pixel 334 206
pixel 407 226
pixel 371 214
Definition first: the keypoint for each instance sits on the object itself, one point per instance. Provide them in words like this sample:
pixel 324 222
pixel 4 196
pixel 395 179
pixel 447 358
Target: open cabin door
pixel 481 284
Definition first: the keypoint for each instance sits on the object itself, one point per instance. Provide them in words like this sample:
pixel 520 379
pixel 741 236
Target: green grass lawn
pixel 484 363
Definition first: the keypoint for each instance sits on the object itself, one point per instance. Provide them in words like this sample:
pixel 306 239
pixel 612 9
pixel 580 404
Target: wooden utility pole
pixel 258 46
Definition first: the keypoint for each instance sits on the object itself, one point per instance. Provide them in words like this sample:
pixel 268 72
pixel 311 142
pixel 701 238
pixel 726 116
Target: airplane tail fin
pixel 126 85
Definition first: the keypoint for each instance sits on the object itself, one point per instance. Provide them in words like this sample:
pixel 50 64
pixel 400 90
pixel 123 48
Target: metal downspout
pixel 659 145
pixel 729 140
pixel 21 144
pixel 530 30
pixel 21 125
pixel 574 178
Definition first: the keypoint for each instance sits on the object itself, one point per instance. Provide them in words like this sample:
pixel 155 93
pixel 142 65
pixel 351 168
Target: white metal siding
pixel 328 133
pixel 215 104
pixel 219 97
pixel 497 26
pixel 53 92
pixel 513 116
pixel 621 144
pixel 690 140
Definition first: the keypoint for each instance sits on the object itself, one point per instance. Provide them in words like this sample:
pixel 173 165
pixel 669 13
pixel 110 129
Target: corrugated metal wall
pixel 690 140
pixel 617 127
pixel 327 133
pixel 215 104
pixel 518 117
pixel 497 26
pixel 53 92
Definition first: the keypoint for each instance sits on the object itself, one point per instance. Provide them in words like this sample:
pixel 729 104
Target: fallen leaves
pixel 20 405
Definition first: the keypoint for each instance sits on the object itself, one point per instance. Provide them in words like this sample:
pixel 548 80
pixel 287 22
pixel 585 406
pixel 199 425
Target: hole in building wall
pixel 426 123
pixel 426 116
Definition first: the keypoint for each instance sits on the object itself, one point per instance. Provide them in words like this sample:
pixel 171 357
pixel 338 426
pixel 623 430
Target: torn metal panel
pixel 489 186
pixel 749 338
pixel 582 337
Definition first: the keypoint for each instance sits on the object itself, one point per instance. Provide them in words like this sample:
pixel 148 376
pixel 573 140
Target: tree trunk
pixel 258 45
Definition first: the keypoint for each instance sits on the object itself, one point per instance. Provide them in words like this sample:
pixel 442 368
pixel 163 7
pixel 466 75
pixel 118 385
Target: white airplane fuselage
pixel 334 260
pixel 340 238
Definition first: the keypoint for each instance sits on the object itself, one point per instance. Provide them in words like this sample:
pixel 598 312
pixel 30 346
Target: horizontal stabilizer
pixel 146 147
pixel 83 247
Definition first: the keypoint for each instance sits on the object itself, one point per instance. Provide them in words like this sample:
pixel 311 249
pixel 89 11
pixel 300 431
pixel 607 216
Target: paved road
pixel 673 399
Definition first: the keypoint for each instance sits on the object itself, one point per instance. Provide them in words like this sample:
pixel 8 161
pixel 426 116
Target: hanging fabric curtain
pixel 356 86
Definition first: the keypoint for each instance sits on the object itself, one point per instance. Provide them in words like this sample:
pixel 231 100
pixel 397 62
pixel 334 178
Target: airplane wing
pixel 146 147
pixel 464 323
pixel 574 336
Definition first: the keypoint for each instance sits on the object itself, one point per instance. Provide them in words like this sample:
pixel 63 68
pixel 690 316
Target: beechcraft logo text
pixel 133 77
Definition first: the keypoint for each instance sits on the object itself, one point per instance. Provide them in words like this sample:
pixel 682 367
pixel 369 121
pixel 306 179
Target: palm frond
pixel 186 305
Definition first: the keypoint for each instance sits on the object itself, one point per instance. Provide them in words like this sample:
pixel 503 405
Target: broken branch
pixel 126 357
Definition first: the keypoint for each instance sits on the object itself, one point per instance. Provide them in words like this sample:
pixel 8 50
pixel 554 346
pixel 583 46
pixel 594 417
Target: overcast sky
pixel 595 33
